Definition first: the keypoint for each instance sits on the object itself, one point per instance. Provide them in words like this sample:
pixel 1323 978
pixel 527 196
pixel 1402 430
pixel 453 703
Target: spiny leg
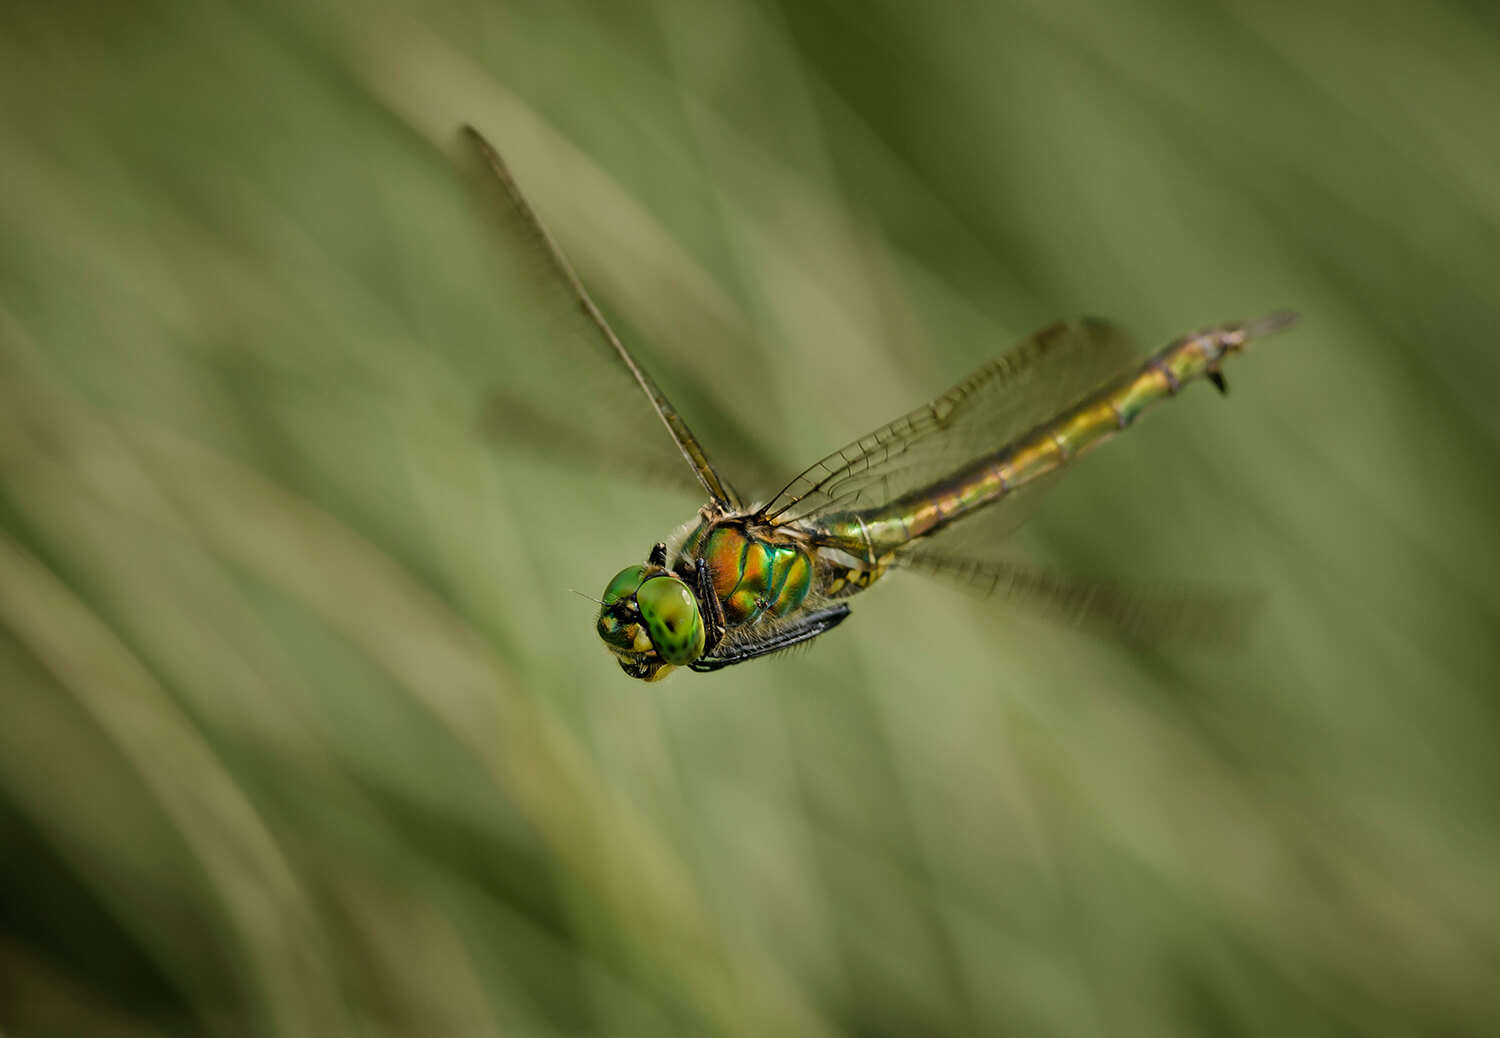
pixel 806 629
pixel 710 605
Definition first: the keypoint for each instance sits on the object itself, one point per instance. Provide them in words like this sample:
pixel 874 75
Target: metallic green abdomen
pixel 753 578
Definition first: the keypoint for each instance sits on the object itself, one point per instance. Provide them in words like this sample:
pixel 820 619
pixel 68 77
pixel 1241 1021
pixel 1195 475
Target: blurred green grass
pixel 301 731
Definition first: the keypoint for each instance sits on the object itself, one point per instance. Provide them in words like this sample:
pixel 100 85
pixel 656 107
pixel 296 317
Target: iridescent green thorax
pixel 755 575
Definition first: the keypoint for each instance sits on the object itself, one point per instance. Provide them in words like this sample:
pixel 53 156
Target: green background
pixel 303 733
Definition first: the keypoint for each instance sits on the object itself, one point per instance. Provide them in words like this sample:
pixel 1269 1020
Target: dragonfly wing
pixel 1155 613
pixel 589 352
pixel 1048 372
pixel 517 419
pixel 563 434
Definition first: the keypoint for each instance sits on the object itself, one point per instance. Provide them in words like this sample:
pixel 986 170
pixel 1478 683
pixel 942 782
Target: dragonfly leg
pixel 658 556
pixel 805 629
pixel 708 604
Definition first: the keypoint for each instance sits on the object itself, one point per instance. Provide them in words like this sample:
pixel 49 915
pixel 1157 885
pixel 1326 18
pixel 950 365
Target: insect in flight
pixel 746 580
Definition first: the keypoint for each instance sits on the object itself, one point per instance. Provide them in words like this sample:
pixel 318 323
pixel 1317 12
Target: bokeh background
pixel 303 733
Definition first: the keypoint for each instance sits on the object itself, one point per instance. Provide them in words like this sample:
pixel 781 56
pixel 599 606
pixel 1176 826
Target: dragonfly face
pixel 650 620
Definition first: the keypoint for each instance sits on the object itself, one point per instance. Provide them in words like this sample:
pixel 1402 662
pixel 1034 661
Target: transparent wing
pixel 1158 612
pixel 605 413
pixel 1045 374
pixel 573 436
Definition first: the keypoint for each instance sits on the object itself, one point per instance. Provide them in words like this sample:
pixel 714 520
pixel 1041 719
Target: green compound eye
pixel 672 619
pixel 620 632
pixel 624 584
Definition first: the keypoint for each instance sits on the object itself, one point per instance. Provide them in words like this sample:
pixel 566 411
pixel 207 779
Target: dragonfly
pixel 934 490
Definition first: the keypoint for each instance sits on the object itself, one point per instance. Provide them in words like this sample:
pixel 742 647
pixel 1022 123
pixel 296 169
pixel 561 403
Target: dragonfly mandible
pixel 745 580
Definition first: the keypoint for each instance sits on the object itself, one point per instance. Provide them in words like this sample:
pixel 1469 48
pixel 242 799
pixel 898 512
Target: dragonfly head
pixel 649 619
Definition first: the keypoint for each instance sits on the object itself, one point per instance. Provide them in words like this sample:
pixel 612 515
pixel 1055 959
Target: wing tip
pixel 1271 323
